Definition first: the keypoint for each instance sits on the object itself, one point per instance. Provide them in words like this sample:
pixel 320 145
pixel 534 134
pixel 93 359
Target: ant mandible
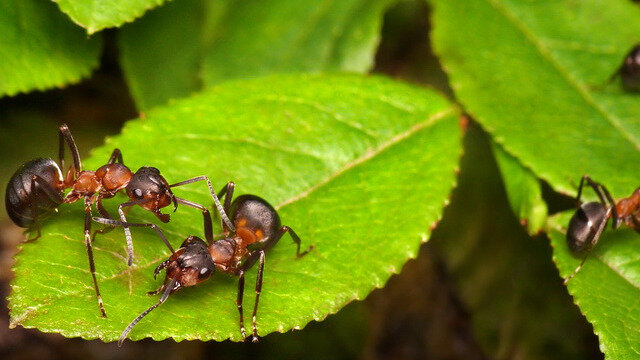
pixel 256 229
pixel 590 219
pixel 37 188
pixel 629 70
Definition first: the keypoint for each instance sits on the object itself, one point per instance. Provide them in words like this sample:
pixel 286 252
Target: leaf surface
pixel 40 48
pixel 223 40
pixel 95 15
pixel 536 79
pixel 606 288
pixel 360 167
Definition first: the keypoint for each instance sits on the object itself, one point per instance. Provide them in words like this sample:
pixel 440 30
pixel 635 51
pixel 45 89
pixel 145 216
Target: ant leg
pixel 296 239
pixel 239 302
pixel 221 210
pixel 227 192
pixel 604 196
pixel 125 224
pixel 127 231
pixel 258 290
pixel 105 214
pixel 65 135
pixel 116 155
pixel 208 230
pixel 87 242
pixel 50 192
pixel 251 260
pixel 566 281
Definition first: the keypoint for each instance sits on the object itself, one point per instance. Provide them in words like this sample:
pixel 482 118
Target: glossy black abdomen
pixel 23 202
pixel 255 213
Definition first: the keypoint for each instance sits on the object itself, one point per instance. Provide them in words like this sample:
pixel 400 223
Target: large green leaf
pixel 95 15
pixel 607 287
pixel 334 153
pixel 40 48
pixel 534 74
pixel 222 40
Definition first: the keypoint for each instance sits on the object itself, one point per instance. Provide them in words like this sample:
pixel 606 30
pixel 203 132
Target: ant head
pixel 585 227
pixel 630 70
pixel 190 264
pixel 149 186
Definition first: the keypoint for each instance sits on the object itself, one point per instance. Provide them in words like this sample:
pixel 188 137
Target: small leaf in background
pixel 335 154
pixel 222 40
pixel 536 80
pixel 607 287
pixel 95 15
pixel 40 48
pixel 523 190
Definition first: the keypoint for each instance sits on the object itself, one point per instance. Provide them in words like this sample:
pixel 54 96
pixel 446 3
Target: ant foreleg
pixel 127 231
pixel 129 224
pixel 87 242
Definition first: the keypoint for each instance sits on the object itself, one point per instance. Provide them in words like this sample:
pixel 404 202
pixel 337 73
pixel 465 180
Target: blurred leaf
pixel 333 153
pixel 221 40
pixel 523 191
pixel 607 287
pixel 95 15
pixel 536 80
pixel 505 279
pixel 40 48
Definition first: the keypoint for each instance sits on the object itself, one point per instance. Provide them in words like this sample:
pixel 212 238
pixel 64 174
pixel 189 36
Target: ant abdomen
pixel 27 198
pixel 585 226
pixel 254 217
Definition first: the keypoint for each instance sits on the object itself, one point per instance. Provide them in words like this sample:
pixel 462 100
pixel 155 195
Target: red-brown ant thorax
pixel 114 177
pixel 86 184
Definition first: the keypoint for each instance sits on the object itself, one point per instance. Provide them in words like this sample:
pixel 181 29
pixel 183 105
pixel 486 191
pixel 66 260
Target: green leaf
pixel 222 40
pixel 536 80
pixel 40 48
pixel 333 153
pixel 523 190
pixel 95 15
pixel 606 288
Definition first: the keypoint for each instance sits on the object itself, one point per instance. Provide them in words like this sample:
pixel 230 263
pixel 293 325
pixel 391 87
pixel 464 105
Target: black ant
pixel 256 229
pixel 629 71
pixel 588 222
pixel 38 187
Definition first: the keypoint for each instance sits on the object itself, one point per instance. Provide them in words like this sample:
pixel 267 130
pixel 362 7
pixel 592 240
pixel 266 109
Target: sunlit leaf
pixel 360 167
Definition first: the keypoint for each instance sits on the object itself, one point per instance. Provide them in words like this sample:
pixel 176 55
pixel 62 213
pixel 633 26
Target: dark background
pixel 481 288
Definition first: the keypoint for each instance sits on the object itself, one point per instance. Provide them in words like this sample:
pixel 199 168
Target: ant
pixel 37 188
pixel 256 229
pixel 629 71
pixel 588 222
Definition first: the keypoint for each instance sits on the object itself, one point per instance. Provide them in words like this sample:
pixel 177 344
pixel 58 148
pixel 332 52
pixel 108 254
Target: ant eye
pixel 204 272
pixel 137 193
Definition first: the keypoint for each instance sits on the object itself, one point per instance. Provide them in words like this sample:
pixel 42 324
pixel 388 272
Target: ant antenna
pixel 163 298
